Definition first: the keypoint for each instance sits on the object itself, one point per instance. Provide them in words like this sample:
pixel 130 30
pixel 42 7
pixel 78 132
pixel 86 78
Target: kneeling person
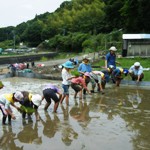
pixel 136 72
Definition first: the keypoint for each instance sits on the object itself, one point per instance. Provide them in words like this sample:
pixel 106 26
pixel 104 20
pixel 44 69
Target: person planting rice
pixel 85 66
pixel 30 105
pixel 50 91
pixel 136 72
pixel 99 78
pixel 5 101
pixel 108 71
pixel 78 83
pixel 117 75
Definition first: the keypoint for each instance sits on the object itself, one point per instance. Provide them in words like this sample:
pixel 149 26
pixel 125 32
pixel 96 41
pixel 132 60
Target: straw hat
pixel 86 57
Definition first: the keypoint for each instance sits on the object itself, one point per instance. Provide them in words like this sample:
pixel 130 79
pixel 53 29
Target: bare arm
pixel 10 113
pixel 15 106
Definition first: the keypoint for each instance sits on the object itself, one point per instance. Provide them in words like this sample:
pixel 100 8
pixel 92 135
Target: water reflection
pixel 68 133
pixel 7 140
pixel 135 99
pixel 50 125
pixel 29 134
pixel 80 112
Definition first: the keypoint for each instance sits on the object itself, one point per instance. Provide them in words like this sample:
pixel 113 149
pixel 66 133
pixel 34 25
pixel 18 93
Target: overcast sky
pixel 14 12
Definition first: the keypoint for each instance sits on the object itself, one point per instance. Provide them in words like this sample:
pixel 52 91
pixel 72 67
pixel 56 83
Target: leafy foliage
pixel 82 25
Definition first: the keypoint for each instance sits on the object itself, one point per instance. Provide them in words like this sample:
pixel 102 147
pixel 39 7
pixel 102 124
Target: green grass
pixel 66 55
pixel 128 62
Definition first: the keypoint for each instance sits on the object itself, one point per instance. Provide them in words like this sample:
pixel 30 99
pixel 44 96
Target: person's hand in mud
pixel 13 117
pixel 102 91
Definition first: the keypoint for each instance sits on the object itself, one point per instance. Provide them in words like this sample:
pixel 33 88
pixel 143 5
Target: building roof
pixel 136 36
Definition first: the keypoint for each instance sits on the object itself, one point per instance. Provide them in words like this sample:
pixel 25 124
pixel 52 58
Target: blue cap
pixel 125 71
pixel 68 64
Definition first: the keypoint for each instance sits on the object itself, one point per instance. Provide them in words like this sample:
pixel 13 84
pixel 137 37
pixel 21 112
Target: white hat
pixel 36 99
pixel 113 48
pixel 18 95
pixel 137 64
pixel 86 57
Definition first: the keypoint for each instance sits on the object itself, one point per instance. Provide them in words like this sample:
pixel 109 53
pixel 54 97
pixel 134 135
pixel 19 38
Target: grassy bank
pixel 127 62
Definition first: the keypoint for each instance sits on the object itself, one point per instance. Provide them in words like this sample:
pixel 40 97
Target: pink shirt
pixel 79 80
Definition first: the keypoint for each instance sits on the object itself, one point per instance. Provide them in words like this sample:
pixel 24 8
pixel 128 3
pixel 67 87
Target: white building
pixel 136 45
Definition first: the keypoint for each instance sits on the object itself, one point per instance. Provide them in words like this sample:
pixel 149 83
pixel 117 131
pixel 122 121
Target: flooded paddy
pixel 117 120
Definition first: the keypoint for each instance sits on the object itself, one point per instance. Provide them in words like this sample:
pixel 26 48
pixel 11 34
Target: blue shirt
pixel 84 67
pixel 117 72
pixel 111 59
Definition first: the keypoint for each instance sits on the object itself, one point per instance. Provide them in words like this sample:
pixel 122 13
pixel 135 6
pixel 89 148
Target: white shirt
pixel 65 76
pixel 138 71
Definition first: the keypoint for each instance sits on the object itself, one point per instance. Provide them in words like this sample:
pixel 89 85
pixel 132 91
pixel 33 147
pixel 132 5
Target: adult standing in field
pixel 136 72
pixel 110 58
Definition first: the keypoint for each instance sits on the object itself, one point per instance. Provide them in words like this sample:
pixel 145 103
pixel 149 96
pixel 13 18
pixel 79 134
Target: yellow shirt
pixel 9 97
pixel 30 97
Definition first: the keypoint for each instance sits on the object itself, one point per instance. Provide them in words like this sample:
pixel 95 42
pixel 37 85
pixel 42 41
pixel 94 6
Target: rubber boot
pixel 4 120
pixel 29 118
pixel 9 119
pixel 84 91
pixel 23 115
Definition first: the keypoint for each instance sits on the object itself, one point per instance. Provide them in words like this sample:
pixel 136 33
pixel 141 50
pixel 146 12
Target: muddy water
pixel 118 120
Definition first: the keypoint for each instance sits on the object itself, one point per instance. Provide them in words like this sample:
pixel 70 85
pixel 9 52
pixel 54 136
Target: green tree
pixel 33 32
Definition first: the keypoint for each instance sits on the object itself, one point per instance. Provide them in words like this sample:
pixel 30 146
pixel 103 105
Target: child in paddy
pixel 108 72
pixel 99 78
pixel 5 101
pixel 117 75
pixel 78 83
pixel 66 76
pixel 50 91
pixel 30 104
